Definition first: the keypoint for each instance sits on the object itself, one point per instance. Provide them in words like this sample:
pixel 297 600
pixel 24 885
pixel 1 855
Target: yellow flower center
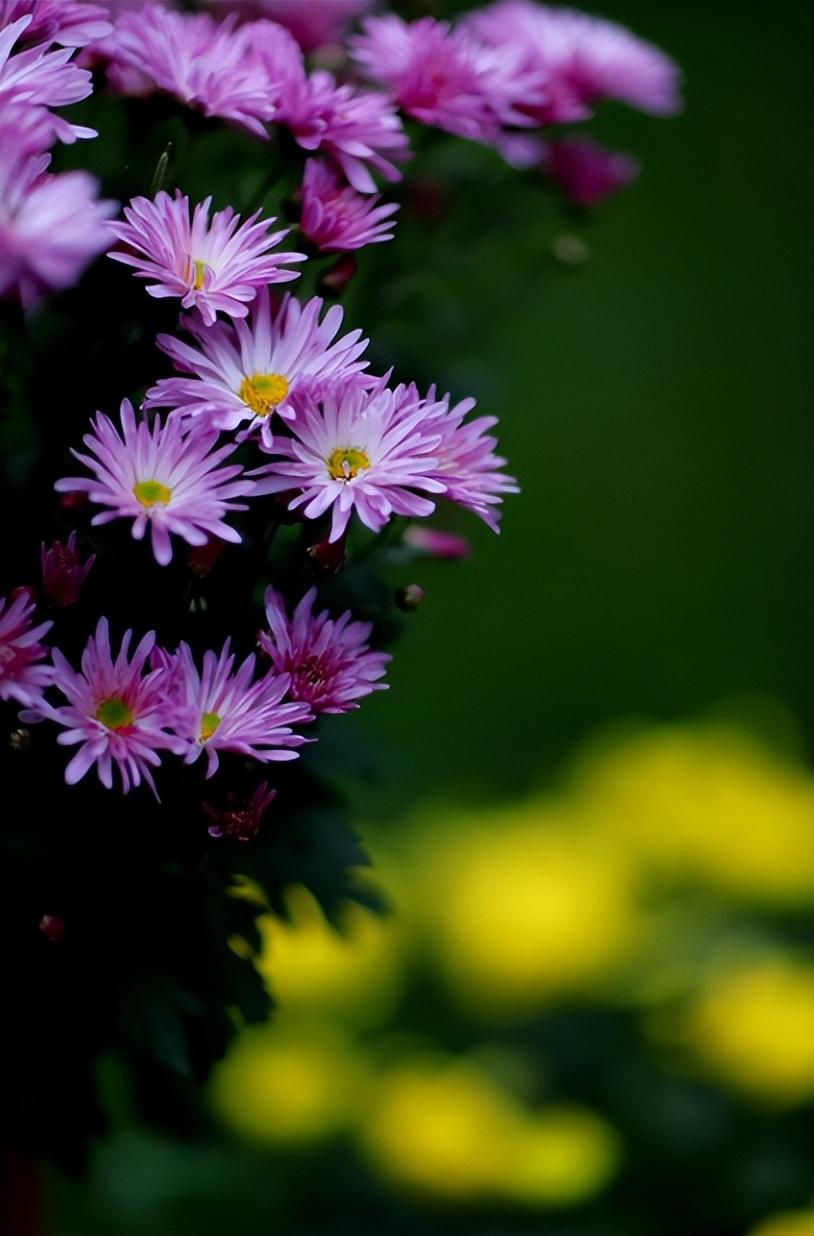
pixel 263 391
pixel 209 723
pixel 114 713
pixel 347 462
pixel 152 493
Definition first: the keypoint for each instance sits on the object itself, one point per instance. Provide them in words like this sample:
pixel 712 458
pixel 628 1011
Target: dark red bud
pixel 338 276
pixel 52 928
pixel 328 555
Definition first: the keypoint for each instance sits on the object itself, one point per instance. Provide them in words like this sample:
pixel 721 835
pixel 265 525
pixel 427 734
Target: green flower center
pixel 114 713
pixel 152 493
pixel 209 723
pixel 347 462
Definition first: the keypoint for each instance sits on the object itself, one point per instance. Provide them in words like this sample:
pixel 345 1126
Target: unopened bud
pixel 570 250
pixel 52 928
pixel 20 739
pixel 409 597
pixel 445 546
pixel 328 555
pixel 202 558
pixel 338 276
pixel 74 500
pixel 63 571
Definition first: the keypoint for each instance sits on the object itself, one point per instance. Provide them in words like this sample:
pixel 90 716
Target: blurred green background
pixel 656 568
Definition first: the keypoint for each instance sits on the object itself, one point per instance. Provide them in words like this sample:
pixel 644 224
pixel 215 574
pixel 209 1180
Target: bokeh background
pixel 589 1013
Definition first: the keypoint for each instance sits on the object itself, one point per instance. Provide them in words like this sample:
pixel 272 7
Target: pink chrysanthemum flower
pixel 587 172
pixel 247 371
pixel 160 478
pixel 51 227
pixel 115 711
pixel 335 218
pixel 217 709
pixel 208 65
pixel 211 266
pixel 313 23
pixel 329 660
pixel 579 60
pixel 21 677
pixel 441 77
pixel 42 78
pixel 71 23
pixel 355 450
pixel 467 464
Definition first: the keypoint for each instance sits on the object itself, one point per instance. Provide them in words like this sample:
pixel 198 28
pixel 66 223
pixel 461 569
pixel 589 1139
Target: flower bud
pixel 240 819
pixel 63 572
pixel 445 546
pixel 338 276
pixel 52 928
pixel 409 597
pixel 328 555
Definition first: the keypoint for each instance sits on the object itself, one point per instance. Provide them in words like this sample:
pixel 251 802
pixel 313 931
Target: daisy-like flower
pixel 161 479
pixel 579 60
pixel 335 218
pixel 51 227
pixel 467 464
pixel 42 78
pixel 356 450
pixel 71 23
pixel 329 660
pixel 439 76
pixel 247 371
pixel 116 712
pixel 313 23
pixel 207 65
pixel 22 677
pixel 240 818
pixel 216 709
pixel 587 172
pixel 211 266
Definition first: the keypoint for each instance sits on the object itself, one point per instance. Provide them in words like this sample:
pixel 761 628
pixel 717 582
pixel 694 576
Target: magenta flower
pixel 467 464
pixel 356 450
pixel 217 710
pixel 578 60
pixel 336 218
pixel 161 479
pixel 22 678
pixel 586 172
pixel 313 23
pixel 51 227
pixel 63 571
pixel 71 23
pixel 207 65
pixel 115 712
pixel 211 266
pixel 239 818
pixel 42 78
pixel 329 660
pixel 443 78
pixel 247 371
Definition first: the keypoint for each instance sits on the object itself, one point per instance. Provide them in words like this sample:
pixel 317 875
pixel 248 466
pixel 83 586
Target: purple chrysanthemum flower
pixel 51 227
pixel 115 711
pixel 216 709
pixel 246 371
pixel 313 23
pixel 71 23
pixel 209 66
pixel 441 77
pixel 335 218
pixel 579 60
pixel 211 266
pixel 355 450
pixel 587 172
pixel 240 818
pixel 41 77
pixel 329 660
pixel 160 478
pixel 22 678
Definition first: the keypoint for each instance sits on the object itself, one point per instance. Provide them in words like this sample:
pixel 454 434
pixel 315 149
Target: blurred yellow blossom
pixel 563 1155
pixel 789 1223
pixel 288 1085
pixel 707 805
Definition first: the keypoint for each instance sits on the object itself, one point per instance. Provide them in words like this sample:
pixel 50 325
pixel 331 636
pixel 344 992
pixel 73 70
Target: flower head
pixel 21 677
pixel 335 218
pixel 240 818
pixel 116 712
pixel 216 709
pixel 71 23
pixel 356 450
pixel 578 60
pixel 63 571
pixel 42 77
pixel 329 660
pixel 51 227
pixel 313 24
pixel 161 479
pixel 587 172
pixel 210 66
pixel 248 371
pixel 211 266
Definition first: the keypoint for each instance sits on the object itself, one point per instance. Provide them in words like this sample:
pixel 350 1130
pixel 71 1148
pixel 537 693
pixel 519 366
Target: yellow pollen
pixel 152 493
pixel 200 269
pixel 347 462
pixel 114 713
pixel 263 391
pixel 209 723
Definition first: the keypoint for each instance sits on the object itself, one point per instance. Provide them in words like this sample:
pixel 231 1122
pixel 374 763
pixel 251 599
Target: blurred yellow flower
pixel 789 1223
pixel 311 967
pixel 521 910
pixel 752 1030
pixel 292 1085
pixel 708 805
pixel 562 1156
